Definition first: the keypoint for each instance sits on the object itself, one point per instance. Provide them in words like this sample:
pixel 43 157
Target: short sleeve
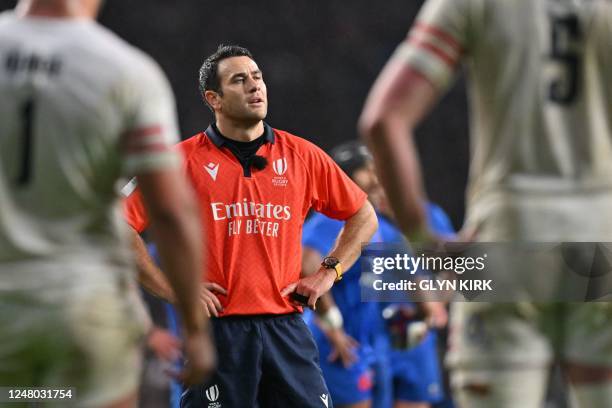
pixel 437 40
pixel 320 233
pixel 134 210
pixel 151 125
pixel 333 192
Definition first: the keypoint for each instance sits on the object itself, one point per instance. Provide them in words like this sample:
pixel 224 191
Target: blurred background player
pixel 541 171
pixel 255 185
pixel 358 363
pixel 416 368
pixel 350 334
pixel 164 355
pixel 79 108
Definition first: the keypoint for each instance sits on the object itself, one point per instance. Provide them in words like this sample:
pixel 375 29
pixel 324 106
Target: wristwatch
pixel 331 262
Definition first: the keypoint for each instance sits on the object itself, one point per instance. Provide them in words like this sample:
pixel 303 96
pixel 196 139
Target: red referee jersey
pixel 253 222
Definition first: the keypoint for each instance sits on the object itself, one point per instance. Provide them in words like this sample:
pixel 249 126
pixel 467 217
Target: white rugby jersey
pixel 79 107
pixel 540 88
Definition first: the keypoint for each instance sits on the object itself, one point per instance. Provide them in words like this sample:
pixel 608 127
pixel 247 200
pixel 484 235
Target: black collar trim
pixel 215 136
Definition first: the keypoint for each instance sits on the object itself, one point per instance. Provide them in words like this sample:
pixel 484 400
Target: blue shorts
pixel 262 361
pixel 346 385
pixel 382 393
pixel 416 372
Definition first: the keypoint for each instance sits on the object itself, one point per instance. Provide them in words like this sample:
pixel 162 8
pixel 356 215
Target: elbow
pixel 378 126
pixel 369 124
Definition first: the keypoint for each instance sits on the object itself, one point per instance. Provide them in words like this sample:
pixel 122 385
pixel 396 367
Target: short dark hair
pixel 209 80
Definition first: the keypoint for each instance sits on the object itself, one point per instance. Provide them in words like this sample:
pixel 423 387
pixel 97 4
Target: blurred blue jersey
pixel 438 221
pixel 361 319
pixel 370 378
pixel 417 375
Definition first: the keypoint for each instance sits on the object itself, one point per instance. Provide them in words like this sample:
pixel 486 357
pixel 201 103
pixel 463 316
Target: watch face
pixel 330 262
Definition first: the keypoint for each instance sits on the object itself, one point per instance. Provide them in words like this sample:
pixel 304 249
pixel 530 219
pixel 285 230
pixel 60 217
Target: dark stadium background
pixel 319 59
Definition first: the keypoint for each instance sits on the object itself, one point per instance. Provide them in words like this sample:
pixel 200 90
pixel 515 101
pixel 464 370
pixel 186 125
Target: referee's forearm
pixel 357 230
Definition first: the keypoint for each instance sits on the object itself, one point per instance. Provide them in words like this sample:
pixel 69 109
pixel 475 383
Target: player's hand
pixel 209 299
pixel 200 359
pixel 164 344
pixel 343 347
pixel 467 235
pixel 311 287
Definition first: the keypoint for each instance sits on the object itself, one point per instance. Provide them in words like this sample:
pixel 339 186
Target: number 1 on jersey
pixel 27 133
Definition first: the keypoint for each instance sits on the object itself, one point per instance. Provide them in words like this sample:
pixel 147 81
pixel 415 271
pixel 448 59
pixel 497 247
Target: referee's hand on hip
pixel 310 288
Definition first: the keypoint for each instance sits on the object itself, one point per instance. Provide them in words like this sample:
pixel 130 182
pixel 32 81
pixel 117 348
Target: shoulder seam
pixel 191 150
pixel 299 154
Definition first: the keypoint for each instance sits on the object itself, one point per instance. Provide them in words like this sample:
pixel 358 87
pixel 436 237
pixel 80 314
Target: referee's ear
pixel 212 98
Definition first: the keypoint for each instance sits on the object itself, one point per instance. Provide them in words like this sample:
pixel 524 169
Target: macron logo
pixel 324 398
pixel 212 169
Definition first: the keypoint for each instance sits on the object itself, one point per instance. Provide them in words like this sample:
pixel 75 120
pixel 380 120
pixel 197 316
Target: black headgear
pixel 351 156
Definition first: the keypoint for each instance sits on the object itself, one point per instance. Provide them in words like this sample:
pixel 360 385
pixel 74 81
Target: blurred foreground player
pixel 541 171
pixel 255 185
pixel 80 107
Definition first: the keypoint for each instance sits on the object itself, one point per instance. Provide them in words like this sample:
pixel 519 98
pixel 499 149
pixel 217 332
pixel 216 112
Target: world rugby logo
pixel 212 393
pixel 280 166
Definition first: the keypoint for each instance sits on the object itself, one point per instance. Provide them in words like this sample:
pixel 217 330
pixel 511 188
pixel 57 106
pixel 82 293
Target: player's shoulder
pixel 9 23
pixel 121 53
pixel 6 17
pixel 86 44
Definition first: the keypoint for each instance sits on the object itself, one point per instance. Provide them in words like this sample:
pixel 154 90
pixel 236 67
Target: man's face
pixel 243 92
pixel 366 178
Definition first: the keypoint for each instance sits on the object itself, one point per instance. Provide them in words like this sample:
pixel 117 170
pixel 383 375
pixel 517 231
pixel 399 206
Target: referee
pixel 256 185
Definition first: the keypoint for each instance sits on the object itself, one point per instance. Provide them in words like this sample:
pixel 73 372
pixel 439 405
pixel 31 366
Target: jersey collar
pixel 216 138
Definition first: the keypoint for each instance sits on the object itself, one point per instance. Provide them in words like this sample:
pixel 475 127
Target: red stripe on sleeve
pixel 142 148
pixel 135 140
pixel 145 131
pixel 439 34
pixel 440 53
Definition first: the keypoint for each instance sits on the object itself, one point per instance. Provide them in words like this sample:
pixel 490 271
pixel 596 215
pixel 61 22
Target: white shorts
pixel 87 337
pixel 522 334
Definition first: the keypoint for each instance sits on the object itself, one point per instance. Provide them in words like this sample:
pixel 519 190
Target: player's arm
pixel 146 99
pixel 399 100
pixel 175 229
pixel 403 94
pixel 358 228
pixel 149 275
